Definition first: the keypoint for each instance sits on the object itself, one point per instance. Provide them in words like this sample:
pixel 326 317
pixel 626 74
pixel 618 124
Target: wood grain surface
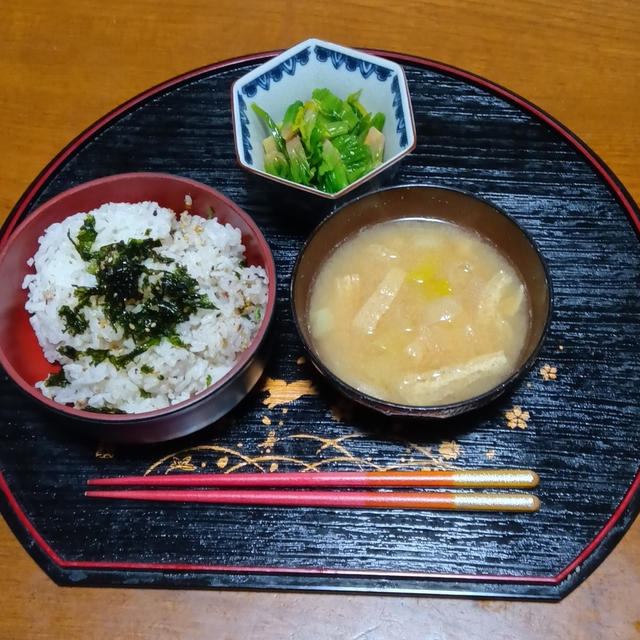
pixel 65 65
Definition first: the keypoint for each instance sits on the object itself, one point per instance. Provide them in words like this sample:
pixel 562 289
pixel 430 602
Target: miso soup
pixel 418 312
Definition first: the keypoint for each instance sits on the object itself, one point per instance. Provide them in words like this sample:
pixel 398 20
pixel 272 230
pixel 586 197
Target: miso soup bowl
pixel 22 358
pixel 428 202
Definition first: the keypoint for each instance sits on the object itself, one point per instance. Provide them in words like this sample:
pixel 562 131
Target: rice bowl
pixel 22 356
pixel 202 349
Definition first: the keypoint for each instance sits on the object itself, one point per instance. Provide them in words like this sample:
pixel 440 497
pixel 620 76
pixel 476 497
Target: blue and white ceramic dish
pixel 314 64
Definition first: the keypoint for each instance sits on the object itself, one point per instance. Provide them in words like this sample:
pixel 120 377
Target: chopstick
pixel 482 478
pixel 350 499
pixel 291 496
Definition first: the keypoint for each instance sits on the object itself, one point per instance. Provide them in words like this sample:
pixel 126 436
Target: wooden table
pixel 65 64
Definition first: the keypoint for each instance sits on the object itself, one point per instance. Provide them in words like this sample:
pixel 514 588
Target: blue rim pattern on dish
pixel 244 125
pixel 351 63
pixel 322 54
pixel 401 126
pixel 287 66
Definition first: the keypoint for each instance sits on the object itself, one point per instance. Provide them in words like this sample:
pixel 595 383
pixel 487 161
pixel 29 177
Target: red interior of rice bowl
pixel 20 353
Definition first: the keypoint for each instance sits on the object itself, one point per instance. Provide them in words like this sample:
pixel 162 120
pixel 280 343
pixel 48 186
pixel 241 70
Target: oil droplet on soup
pixel 418 312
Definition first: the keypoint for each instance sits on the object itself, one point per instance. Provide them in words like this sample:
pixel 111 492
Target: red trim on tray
pixel 599 165
pixel 26 523
pixel 593 159
pixel 87 133
pixel 591 547
pixel 186 567
pixel 317 571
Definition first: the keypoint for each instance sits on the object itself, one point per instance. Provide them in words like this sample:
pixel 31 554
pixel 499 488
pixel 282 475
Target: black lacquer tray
pixel 574 418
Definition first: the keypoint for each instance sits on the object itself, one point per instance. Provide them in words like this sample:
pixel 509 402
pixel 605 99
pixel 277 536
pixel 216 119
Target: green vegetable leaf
pixel 354 100
pixel 332 128
pixel 275 162
pixel 325 142
pixel 378 121
pixel 334 108
pixel 271 126
pixel 356 156
pixel 288 128
pixel 332 172
pixel 301 172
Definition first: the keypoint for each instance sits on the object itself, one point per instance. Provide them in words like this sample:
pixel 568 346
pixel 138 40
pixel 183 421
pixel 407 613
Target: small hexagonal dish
pixel 294 75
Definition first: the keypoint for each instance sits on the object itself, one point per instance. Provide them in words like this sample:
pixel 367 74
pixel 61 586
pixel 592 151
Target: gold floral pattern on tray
pixel 325 452
pixel 282 392
pixel 181 464
pixel 269 453
pixel 548 372
pixel 105 451
pixel 517 418
pixel 449 450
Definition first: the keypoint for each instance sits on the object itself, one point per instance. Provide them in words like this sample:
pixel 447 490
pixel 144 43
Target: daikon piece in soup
pixel 418 312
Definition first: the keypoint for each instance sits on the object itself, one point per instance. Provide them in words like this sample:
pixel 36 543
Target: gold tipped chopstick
pixel 483 478
pixel 335 499
pixel 301 489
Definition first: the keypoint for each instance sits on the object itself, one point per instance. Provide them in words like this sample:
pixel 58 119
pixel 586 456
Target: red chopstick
pixel 334 499
pixel 483 478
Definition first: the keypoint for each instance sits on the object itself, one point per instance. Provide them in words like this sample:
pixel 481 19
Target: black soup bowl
pixel 436 203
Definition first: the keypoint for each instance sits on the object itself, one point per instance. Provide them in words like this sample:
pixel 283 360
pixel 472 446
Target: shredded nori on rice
pixel 141 307
pixel 146 303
